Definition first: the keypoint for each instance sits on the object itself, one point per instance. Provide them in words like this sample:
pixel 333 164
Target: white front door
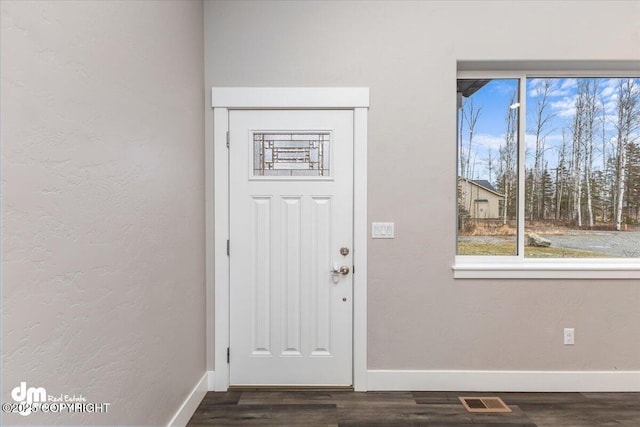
pixel 291 224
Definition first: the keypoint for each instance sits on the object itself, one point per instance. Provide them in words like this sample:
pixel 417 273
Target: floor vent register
pixel 484 404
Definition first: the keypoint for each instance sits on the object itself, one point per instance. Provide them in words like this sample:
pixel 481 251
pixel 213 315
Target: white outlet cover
pixel 383 230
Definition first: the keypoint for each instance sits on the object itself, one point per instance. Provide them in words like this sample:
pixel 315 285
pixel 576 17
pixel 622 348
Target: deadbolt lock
pixel 344 251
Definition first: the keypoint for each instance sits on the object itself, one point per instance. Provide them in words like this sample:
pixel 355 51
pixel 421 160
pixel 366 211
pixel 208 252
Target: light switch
pixel 382 230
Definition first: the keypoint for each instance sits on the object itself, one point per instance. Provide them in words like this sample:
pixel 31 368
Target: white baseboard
pixel 190 404
pixel 524 381
pixel 211 383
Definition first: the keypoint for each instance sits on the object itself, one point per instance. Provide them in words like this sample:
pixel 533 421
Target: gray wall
pixel 103 205
pixel 406 52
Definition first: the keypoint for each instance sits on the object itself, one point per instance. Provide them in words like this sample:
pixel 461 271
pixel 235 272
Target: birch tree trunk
pixel 628 121
pixel 577 162
pixel 604 190
pixel 621 164
pixel 509 154
pixel 560 178
pixel 588 90
pixel 542 120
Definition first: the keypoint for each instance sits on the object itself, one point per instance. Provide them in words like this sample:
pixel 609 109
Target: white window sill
pixel 473 267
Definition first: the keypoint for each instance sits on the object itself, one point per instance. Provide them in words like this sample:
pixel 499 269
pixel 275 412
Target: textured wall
pixel 406 52
pixel 103 205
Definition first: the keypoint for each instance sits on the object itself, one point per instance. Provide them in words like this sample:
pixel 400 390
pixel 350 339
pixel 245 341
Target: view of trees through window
pixel 581 167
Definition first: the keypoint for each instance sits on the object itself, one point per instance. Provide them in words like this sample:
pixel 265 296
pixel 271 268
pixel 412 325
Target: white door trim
pixel 217 211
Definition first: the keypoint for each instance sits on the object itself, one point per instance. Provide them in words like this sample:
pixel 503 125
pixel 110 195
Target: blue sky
pixel 494 98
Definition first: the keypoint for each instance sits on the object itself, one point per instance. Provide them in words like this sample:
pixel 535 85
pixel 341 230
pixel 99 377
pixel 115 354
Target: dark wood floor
pixel 344 408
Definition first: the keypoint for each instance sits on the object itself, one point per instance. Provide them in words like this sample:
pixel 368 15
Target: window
pixel 548 173
pixel 291 154
pixel 487 166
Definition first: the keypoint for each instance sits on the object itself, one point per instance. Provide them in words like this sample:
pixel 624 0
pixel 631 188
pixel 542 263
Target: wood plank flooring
pixel 391 409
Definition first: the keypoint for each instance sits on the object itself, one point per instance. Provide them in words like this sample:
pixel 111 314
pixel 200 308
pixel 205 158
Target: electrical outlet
pixel 569 336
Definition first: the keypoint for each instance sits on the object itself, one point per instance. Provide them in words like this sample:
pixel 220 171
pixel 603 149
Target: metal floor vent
pixel 484 404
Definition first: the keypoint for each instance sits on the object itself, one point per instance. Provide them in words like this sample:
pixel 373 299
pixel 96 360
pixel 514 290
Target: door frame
pixel 224 99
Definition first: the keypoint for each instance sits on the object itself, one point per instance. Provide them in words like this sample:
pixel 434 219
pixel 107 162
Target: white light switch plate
pixel 382 230
pixel 569 336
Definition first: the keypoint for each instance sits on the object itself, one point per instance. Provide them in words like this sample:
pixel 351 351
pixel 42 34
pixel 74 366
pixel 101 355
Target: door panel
pixel 291 210
pixel 292 274
pixel 261 277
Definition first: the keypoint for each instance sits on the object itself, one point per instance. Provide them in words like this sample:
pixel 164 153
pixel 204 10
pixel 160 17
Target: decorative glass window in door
pixel 291 154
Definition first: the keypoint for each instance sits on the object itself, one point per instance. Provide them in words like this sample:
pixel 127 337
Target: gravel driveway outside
pixel 624 244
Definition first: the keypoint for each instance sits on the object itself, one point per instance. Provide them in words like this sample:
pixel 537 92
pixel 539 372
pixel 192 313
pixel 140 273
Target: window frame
pixel 517 266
